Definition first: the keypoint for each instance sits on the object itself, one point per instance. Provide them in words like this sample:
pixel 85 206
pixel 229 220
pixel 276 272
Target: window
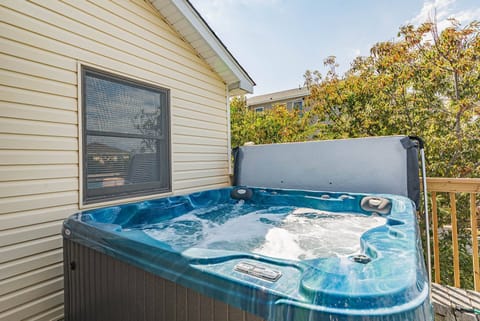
pixel 126 137
pixel 259 109
pixel 298 105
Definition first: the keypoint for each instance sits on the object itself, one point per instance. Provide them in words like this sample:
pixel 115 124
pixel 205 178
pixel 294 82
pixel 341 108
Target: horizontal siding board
pixel 83 47
pixel 186 148
pixel 36 216
pixel 31 293
pixel 190 183
pixel 31 112
pixel 31 202
pixel 34 18
pixel 191 166
pixel 9 78
pixel 30 263
pixel 102 30
pixel 28 172
pixel 193 105
pixel 40 70
pixel 33 277
pixel 54 314
pixel 41 186
pixel 28 97
pixel 147 48
pixel 215 107
pixel 14 48
pixel 25 249
pixel 195 140
pixel 191 157
pixel 28 233
pixel 183 130
pixel 199 115
pixel 194 188
pixel 32 127
pixel 37 142
pixel 193 123
pixel 98 59
pixel 33 308
pixel 149 21
pixel 185 175
pixel 32 38
pixel 31 157
pixel 145 5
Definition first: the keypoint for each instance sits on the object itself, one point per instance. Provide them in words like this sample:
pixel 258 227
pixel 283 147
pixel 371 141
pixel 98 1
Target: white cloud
pixel 466 16
pixel 441 11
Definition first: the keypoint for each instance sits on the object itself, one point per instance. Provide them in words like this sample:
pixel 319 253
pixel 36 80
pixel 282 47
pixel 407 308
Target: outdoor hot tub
pixel 243 253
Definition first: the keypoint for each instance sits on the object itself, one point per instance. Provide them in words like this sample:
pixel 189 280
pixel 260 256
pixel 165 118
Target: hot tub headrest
pixel 363 165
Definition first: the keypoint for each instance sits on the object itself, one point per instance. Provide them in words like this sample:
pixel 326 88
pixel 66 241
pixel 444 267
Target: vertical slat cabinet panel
pixel 193 306
pixel 100 287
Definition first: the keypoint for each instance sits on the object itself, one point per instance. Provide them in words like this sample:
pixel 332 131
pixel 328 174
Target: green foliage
pixel 277 125
pixel 410 86
pixel 425 83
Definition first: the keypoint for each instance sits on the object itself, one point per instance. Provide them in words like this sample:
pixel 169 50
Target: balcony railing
pixel 455 222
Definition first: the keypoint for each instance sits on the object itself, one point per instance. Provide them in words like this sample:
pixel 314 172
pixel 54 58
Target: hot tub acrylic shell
pixel 392 286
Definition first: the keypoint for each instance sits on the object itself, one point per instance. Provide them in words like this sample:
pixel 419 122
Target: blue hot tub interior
pixel 280 254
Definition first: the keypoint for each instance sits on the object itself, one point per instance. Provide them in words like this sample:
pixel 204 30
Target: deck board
pixel 446 299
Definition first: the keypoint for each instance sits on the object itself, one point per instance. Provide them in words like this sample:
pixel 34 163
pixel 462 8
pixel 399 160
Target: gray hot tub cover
pixel 363 165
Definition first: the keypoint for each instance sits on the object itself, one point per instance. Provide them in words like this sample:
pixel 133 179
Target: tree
pixel 277 125
pixel 425 83
pixel 410 86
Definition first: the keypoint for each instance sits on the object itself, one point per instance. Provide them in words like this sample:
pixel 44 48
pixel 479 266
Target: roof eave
pixel 186 20
pixel 279 96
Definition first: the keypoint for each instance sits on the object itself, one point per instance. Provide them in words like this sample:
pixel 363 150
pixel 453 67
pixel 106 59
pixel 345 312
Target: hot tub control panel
pixel 258 271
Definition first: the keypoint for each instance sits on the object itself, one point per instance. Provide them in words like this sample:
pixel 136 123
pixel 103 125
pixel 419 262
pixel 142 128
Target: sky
pixel 276 41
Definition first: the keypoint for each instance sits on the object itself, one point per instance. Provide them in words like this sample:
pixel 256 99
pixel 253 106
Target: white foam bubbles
pixel 282 231
pixel 307 234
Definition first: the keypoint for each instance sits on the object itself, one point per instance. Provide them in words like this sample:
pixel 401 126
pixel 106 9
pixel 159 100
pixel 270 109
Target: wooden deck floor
pixel 447 300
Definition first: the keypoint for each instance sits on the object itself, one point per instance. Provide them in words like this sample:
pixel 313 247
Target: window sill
pixel 123 200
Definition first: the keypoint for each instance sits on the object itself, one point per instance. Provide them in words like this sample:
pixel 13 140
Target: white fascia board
pixel 242 82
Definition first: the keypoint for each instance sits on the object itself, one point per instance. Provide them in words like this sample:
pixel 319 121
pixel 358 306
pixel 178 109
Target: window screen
pixel 126 137
pixel 298 105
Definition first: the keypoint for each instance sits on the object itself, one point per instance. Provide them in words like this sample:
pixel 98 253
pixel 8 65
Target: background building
pixel 292 98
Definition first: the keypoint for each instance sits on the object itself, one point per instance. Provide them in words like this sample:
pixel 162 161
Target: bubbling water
pixel 285 232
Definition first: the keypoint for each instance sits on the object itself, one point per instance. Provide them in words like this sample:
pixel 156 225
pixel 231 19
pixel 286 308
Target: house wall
pixel 270 105
pixel 42 45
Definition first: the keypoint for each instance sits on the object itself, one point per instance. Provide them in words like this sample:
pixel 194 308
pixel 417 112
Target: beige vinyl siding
pixel 42 45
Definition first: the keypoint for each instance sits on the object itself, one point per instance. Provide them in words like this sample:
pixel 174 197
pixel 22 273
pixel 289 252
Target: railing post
pixel 470 186
pixel 473 223
pixel 436 249
pixel 456 256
